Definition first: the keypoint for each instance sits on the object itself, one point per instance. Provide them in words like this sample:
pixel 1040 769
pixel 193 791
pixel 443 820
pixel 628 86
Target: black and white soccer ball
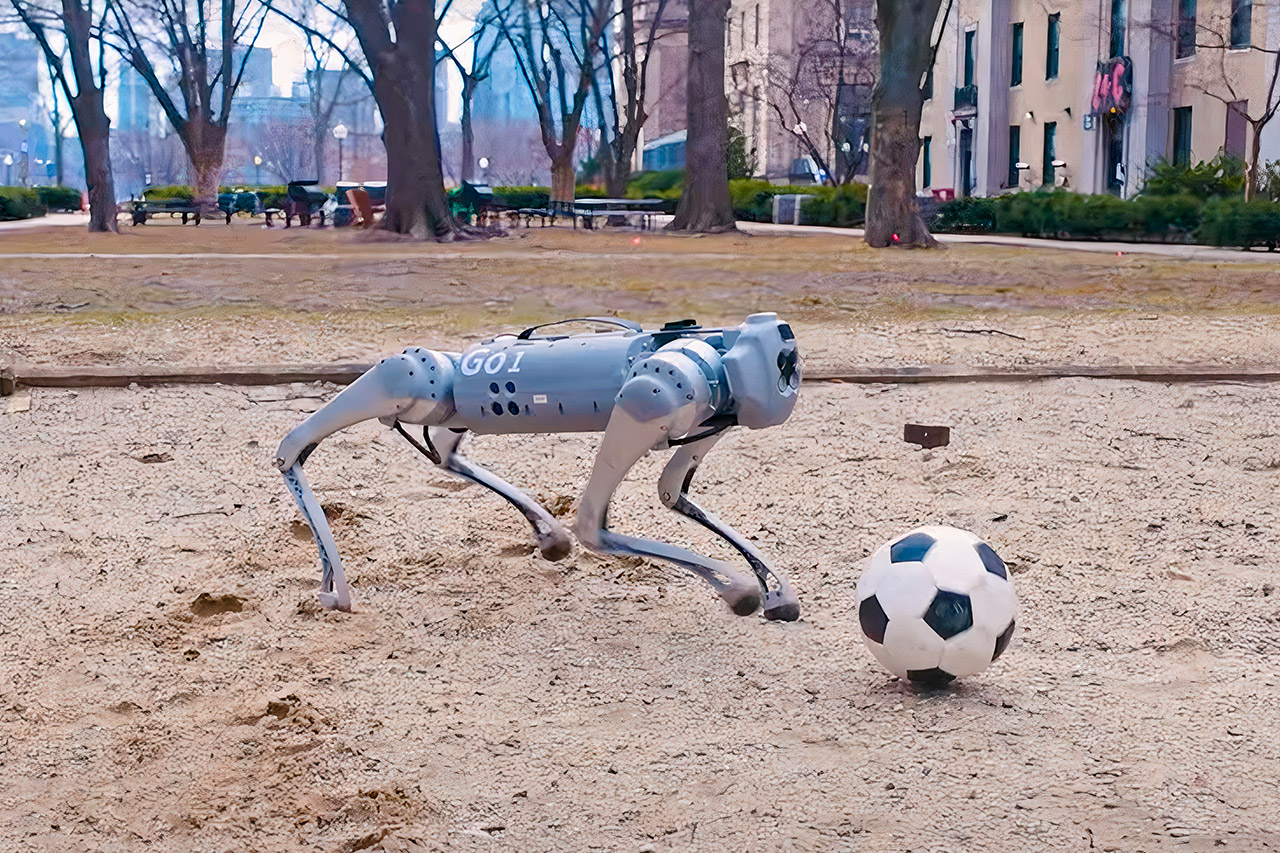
pixel 936 604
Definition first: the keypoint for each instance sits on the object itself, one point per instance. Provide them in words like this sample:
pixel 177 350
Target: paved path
pixel 1169 250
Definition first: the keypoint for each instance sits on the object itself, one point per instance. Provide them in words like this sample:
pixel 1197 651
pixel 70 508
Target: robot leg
pixel 646 414
pixel 780 602
pixel 549 535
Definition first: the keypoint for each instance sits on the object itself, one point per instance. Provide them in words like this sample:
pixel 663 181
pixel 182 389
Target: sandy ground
pixel 167 681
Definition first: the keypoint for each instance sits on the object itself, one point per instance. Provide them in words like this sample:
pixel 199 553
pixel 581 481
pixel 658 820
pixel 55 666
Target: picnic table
pixel 140 210
pixel 642 209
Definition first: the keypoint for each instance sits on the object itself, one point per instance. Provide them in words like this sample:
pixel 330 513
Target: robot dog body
pixel 680 386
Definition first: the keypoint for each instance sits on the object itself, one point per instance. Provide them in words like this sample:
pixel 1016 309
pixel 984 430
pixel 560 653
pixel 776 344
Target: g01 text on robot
pixel 681 386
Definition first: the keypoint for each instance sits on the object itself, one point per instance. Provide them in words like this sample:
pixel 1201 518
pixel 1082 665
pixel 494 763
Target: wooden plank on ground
pixel 343 374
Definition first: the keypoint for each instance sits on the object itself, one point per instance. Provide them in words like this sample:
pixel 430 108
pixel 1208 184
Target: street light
pixel 257 169
pixel 8 167
pixel 340 133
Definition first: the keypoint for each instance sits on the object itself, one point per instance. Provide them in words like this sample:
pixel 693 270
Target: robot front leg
pixel 630 435
pixel 551 538
pixel 780 602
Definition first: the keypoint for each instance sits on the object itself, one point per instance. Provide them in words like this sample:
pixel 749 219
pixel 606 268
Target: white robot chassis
pixel 680 386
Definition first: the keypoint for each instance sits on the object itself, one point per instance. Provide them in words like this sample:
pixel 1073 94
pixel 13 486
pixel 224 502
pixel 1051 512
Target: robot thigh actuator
pixel 680 386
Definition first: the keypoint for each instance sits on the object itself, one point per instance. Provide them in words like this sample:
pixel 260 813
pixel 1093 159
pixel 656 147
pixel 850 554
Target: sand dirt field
pixel 167 681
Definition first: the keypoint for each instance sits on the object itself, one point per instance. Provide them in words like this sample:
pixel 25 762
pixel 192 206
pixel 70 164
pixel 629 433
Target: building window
pixel 1241 23
pixel 1051 55
pixel 926 147
pixel 742 33
pixel 1237 128
pixel 1186 28
pixel 1015 68
pixel 1015 154
pixel 1119 21
pixel 757 25
pixel 1050 152
pixel 1182 136
pixel 970 43
pixel 927 88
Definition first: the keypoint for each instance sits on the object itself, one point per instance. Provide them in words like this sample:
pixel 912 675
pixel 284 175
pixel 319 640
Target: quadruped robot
pixel 679 387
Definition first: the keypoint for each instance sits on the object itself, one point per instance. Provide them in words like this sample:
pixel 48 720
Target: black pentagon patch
pixel 911 549
pixel 873 619
pixel 930 677
pixel 1002 642
pixel 949 613
pixel 991 560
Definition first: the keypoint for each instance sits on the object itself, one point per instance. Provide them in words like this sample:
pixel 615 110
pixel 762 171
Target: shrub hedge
pixel 1183 217
pixel 843 206
pixel 19 203
pixel 59 198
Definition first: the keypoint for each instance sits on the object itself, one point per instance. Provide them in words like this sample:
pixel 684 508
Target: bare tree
pixel 1230 76
pixel 196 41
pixel 557 48
pixel 142 158
pixel 821 93
pixel 910 31
pixel 78 26
pixel 485 40
pixel 329 42
pixel 286 149
pixel 622 109
pixel 705 205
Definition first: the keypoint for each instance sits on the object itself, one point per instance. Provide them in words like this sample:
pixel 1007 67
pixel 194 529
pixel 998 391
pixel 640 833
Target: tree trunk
pixel 468 170
pixel 416 200
pixel 705 205
pixel 563 178
pixel 615 174
pixel 1255 160
pixel 94 129
pixel 205 142
pixel 893 216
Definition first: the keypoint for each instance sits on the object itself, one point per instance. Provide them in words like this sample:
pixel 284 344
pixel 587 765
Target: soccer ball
pixel 936 604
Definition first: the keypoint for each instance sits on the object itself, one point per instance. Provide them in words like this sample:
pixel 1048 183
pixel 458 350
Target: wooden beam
pixel 343 374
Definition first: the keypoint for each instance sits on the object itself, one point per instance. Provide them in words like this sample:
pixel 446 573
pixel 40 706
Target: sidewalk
pixel 1169 250
pixel 81 219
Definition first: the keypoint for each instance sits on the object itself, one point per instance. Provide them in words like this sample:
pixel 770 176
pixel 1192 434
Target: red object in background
pixel 944 194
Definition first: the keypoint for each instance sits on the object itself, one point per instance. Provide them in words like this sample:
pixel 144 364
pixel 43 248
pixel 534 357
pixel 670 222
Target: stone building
pixel 1028 93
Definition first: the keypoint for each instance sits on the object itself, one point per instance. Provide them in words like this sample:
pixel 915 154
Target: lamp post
pixel 8 168
pixel 257 169
pixel 340 133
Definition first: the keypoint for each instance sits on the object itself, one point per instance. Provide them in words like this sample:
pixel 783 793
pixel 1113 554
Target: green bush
pixel 19 203
pixel 1068 215
pixel 843 206
pixel 651 184
pixel 59 198
pixel 1236 222
pixel 176 191
pixel 1220 177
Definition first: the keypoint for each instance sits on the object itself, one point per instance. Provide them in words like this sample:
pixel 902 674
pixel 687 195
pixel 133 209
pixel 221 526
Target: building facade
pixel 1085 96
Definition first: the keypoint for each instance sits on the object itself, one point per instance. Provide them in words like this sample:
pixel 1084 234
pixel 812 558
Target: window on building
pixel 1237 128
pixel 1119 22
pixel 970 46
pixel 1015 154
pixel 927 88
pixel 1054 39
pixel 1182 136
pixel 926 166
pixel 757 25
pixel 742 33
pixel 1186 28
pixel 1241 23
pixel 1050 152
pixel 1015 67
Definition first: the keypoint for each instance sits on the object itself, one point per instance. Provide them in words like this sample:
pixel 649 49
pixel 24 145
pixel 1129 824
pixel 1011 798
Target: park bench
pixel 140 210
pixel 304 200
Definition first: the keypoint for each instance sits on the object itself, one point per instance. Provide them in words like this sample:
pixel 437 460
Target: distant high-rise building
pixel 133 100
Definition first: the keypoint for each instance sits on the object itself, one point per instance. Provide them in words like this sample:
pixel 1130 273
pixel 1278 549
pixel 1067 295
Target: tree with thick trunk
pixel 908 48
pixel 77 25
pixel 398 38
pixel 705 205
pixel 199 40
pixel 557 44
